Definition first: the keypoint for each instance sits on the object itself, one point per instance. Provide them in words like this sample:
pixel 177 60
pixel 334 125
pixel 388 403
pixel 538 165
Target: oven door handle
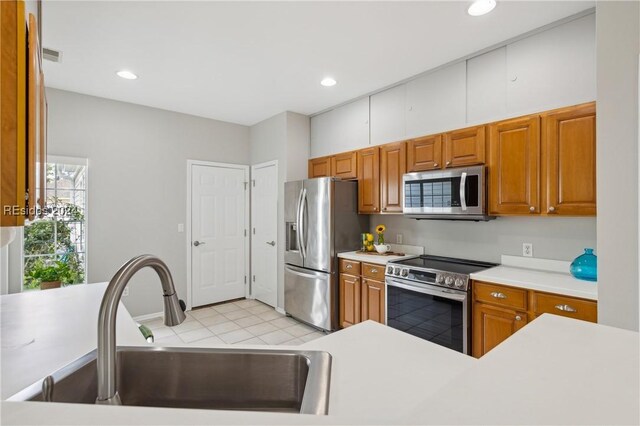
pixel 443 294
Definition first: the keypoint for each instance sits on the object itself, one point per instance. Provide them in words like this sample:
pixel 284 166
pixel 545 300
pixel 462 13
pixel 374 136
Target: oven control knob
pixel 390 270
pixel 404 273
pixel 439 279
pixel 448 281
pixel 459 283
pixel 396 271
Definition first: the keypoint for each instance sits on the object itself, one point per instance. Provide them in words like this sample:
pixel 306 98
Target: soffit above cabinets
pixel 246 61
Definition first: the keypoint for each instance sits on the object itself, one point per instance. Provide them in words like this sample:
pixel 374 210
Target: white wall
pixel 552 237
pixel 137 181
pixel 285 138
pixel 618 46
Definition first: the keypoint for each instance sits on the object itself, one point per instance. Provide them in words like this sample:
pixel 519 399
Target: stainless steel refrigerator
pixel 321 220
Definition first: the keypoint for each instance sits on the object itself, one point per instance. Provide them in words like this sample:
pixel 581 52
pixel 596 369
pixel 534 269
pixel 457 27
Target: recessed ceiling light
pixel 481 7
pixel 328 82
pixel 127 75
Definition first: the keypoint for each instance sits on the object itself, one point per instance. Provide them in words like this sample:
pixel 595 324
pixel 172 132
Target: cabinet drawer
pixel 371 270
pixel 350 267
pixel 507 297
pixel 585 310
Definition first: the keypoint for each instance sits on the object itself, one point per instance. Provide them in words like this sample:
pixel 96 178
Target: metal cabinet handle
pixel 552 209
pixel 498 295
pixel 374 271
pixel 435 164
pixel 349 267
pixel 271 243
pixel 375 209
pixel 532 209
pixel 448 163
pixel 566 308
pixel 518 318
pixel 197 243
pixel 384 209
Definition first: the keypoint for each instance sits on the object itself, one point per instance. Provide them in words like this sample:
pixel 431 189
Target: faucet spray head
pixel 173 314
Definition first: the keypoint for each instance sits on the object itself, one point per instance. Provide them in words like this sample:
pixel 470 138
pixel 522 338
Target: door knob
pixel 197 243
pixel 271 243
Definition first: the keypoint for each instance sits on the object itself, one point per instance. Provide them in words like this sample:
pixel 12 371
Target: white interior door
pixel 264 239
pixel 218 224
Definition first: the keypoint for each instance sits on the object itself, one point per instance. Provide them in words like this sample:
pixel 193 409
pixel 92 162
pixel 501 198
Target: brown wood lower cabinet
pixel 361 298
pixel 499 311
pixel 372 306
pixel 491 326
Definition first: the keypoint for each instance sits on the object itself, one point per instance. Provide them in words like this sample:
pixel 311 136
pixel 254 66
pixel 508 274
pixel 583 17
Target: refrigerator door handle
pixel 299 224
pixel 303 274
pixel 302 230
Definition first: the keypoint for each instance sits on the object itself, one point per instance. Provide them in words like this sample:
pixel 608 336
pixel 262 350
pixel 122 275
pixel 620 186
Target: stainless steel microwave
pixel 454 194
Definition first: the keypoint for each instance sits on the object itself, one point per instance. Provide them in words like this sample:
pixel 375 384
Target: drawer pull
pixel 349 267
pixel 374 271
pixel 498 295
pixel 566 308
pixel 518 318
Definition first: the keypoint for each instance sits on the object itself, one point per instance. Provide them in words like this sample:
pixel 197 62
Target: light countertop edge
pixel 373 258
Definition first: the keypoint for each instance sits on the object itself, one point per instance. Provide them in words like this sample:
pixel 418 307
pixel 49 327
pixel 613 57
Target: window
pixel 56 245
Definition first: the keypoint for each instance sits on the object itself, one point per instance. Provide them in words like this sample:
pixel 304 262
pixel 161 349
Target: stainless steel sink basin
pixel 218 379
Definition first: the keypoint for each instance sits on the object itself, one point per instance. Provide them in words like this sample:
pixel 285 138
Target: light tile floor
pixel 244 321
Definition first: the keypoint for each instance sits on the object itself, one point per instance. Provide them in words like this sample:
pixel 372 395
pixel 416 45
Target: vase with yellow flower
pixel 381 247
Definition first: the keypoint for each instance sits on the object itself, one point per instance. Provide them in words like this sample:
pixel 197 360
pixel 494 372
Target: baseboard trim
pixel 148 316
pixel 280 310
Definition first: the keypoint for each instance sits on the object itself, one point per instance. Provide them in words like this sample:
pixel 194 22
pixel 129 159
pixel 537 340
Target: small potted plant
pixel 50 275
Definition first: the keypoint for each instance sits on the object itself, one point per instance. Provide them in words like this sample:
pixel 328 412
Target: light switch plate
pixel 181 227
pixel 527 249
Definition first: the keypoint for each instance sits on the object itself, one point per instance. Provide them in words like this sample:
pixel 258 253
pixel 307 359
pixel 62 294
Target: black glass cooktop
pixel 446 264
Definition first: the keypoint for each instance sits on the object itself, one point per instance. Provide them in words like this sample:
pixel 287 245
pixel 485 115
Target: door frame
pixel 277 237
pixel 247 216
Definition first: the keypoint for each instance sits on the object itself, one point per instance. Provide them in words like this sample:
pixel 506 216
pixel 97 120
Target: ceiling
pixel 244 62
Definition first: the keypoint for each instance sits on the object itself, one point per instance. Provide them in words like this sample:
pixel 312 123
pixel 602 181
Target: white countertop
pixel 548 277
pixel 372 258
pixel 62 324
pixel 555 370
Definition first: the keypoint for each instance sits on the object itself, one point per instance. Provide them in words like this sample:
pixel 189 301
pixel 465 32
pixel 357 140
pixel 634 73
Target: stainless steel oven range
pixel 429 297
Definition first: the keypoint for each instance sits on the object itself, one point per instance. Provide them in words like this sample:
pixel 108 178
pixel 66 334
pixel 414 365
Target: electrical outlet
pixel 125 293
pixel 398 238
pixel 527 249
pixel 181 227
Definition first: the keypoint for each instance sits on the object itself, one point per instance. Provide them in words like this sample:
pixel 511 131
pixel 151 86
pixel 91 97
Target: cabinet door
pixel 514 166
pixel 387 116
pixel 436 102
pixel 373 301
pixel 344 165
pixel 464 147
pixel 350 300
pixel 569 161
pixel 369 180
pixel 424 153
pixel 491 326
pixel 319 167
pixel 393 165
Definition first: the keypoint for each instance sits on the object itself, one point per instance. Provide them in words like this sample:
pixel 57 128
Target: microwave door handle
pixel 463 191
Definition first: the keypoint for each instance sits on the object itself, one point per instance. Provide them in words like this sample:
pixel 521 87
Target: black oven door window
pixel 432 318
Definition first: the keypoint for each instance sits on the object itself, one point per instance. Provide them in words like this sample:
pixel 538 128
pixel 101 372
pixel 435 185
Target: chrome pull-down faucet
pixel 173 315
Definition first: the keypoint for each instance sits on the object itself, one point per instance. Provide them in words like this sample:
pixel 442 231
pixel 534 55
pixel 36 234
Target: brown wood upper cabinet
pixel 393 165
pixel 424 153
pixel 514 166
pixel 345 165
pixel 464 147
pixel 569 160
pixel 369 180
pixel 23 151
pixel 319 167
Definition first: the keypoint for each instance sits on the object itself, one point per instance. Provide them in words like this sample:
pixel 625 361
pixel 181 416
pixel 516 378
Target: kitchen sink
pixel 217 379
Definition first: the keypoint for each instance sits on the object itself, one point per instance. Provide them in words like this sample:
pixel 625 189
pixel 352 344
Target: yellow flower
pixel 380 229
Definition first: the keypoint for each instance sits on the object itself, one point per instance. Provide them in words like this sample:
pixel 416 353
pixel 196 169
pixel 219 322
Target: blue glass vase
pixel 585 266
